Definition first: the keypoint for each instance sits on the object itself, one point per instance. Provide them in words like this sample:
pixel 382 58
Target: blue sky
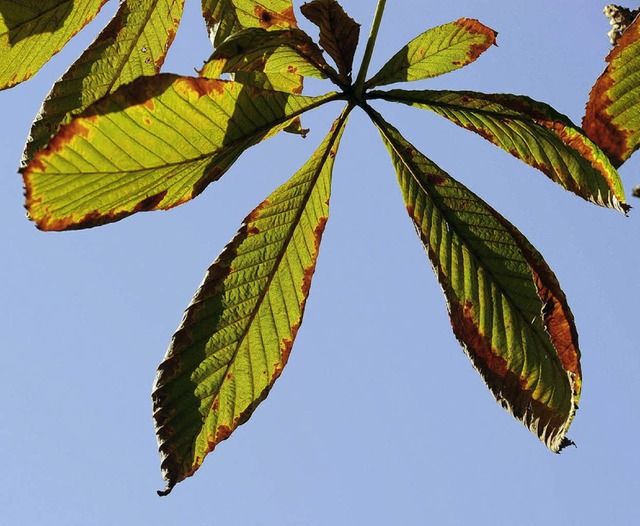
pixel 379 417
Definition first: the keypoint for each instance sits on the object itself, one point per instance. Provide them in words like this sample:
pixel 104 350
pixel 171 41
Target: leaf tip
pixel 165 492
pixel 566 442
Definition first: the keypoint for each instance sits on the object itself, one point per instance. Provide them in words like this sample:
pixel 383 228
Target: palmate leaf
pixel 236 336
pixel 268 59
pixel 339 33
pixel 436 51
pixel 612 118
pixel 226 17
pixel 32 31
pixel 531 131
pixel 154 144
pixel 505 304
pixel 134 44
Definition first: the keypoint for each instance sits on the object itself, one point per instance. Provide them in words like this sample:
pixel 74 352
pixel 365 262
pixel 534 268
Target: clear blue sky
pixel 379 418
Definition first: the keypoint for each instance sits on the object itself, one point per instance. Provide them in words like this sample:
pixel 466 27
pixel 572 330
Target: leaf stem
pixel 368 52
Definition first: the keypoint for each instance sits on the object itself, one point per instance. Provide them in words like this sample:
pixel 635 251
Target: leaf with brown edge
pixel 505 304
pixel 133 44
pixel 32 31
pixel 236 336
pixel 152 145
pixel 531 131
pixel 275 60
pixel 612 117
pixel 436 51
pixel 339 33
pixel 226 17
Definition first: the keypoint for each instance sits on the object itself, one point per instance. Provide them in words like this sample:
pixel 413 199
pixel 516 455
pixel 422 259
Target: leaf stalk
pixel 359 85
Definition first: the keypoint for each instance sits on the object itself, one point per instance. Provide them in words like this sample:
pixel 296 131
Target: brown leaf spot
pixel 308 272
pixel 171 35
pixel 150 203
pixel 557 317
pixel 598 120
pixel 285 352
pixel 410 211
pixel 222 433
pixel 268 18
pixel 508 387
pixel 467 331
pixel 211 175
pixel 201 87
pixel 436 179
pixel 475 27
pixel 265 16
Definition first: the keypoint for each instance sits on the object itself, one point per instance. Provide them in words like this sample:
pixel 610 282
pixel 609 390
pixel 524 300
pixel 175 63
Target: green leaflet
pixel 226 17
pixel 268 59
pixel 134 44
pixel 32 31
pixel 612 118
pixel 236 336
pixel 531 131
pixel 154 144
pixel 436 51
pixel 506 306
pixel 339 33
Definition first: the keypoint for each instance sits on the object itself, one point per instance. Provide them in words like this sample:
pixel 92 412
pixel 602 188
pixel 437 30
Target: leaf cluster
pixel 116 137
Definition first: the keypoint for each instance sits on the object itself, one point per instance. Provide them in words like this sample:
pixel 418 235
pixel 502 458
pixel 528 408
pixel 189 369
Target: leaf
pixel 226 17
pixel 612 118
pixel 505 304
pixel 236 336
pixel 531 131
pixel 268 59
pixel 32 31
pixel 339 33
pixel 154 144
pixel 134 44
pixel 436 51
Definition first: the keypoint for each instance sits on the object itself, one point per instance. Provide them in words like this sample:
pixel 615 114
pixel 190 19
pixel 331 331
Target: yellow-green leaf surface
pixel 32 31
pixel 268 59
pixel 612 118
pixel 236 336
pixel 505 304
pixel 134 44
pixel 531 131
pixel 436 51
pixel 339 33
pixel 226 17
pixel 154 144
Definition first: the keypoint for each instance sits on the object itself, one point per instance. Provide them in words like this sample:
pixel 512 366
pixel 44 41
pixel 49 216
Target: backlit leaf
pixel 505 304
pixel 32 31
pixel 226 17
pixel 154 144
pixel 134 44
pixel 268 59
pixel 531 131
pixel 612 118
pixel 437 51
pixel 339 33
pixel 236 336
